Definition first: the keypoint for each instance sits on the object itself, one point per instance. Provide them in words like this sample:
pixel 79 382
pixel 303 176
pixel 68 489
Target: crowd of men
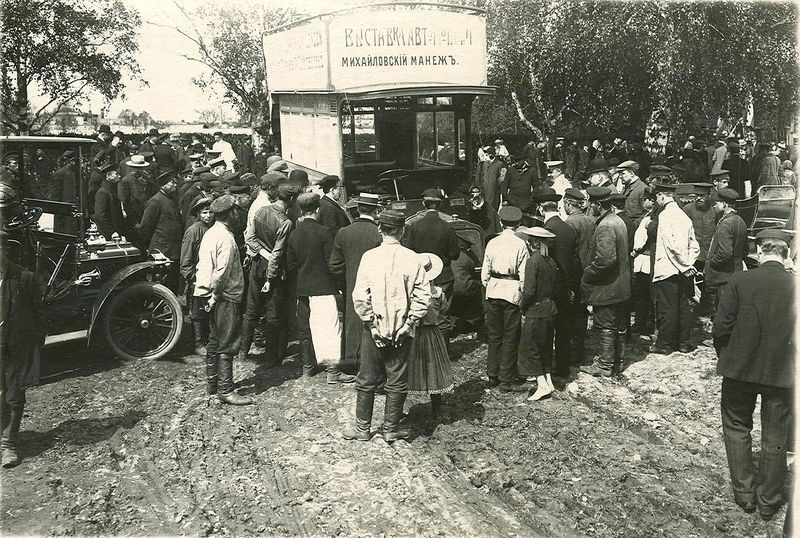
pixel 263 259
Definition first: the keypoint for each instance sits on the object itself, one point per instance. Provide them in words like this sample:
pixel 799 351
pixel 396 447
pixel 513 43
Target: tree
pixel 60 51
pixel 66 122
pixel 208 116
pixel 144 119
pixel 586 68
pixel 129 117
pixel 232 51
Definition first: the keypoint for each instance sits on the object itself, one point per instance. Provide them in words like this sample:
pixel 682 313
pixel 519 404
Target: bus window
pixel 436 138
pixel 426 143
pixel 445 137
pixel 366 141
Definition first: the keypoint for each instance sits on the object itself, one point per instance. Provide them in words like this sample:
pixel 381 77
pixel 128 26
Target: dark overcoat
pixel 310 247
pixel 332 214
pixel 518 187
pixel 607 278
pixel 22 328
pixel 563 253
pixel 729 246
pixel 108 211
pixel 349 245
pixel 161 227
pixel 431 234
pixel 754 326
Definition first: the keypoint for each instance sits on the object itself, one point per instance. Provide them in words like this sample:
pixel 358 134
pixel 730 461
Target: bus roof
pixel 46 139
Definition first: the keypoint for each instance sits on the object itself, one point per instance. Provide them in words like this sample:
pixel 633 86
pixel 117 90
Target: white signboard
pixel 373 50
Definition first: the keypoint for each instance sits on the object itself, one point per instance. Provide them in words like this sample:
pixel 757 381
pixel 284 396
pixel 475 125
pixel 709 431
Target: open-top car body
pixel 95 288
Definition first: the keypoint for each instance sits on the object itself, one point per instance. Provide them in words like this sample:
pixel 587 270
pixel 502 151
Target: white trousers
pixel 326 329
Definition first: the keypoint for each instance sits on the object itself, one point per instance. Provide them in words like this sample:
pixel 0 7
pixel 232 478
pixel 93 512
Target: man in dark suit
pixel 165 156
pixel 520 180
pixel 318 327
pixel 162 227
pixel 754 338
pixel 737 167
pixel 107 208
pixel 350 243
pixel 432 234
pixel 574 201
pixel 22 331
pixel 331 214
pixel 729 245
pixel 567 283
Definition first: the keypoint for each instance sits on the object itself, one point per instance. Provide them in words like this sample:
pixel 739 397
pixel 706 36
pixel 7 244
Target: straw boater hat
pixel 137 161
pixel 432 263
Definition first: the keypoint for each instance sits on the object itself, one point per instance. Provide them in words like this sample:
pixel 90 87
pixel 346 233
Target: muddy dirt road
pixel 137 448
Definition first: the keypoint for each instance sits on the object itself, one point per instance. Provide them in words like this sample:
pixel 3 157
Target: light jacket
pixel 676 246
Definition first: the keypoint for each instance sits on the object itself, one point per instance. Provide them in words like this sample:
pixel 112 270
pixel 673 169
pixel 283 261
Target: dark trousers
pixel 502 332
pixel 579 315
pixel 12 405
pixel 609 320
pixel 563 337
pixel 641 303
pixel 444 323
pixel 225 328
pixel 383 366
pixel 254 304
pixel 671 299
pixel 536 347
pixel 738 404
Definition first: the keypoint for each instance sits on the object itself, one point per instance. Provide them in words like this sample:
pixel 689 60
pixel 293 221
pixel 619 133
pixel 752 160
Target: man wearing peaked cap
pixel 520 180
pixel 721 179
pixel 217 166
pixel 318 326
pixel 107 208
pixel 391 296
pixel 503 276
pixel 270 287
pixel 349 245
pixel 219 286
pixel 633 190
pixel 331 213
pixel 704 221
pixel 566 281
pixel 729 244
pixel 430 233
pixel 754 337
pixel 190 248
pixel 606 283
pixel 676 250
pixel 558 180
pixel 539 309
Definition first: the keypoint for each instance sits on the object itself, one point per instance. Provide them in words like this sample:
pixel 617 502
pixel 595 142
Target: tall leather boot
pixel 212 361
pixel 308 357
pixel 336 376
pixel 246 339
pixel 619 351
pixel 225 393
pixel 9 456
pixel 605 359
pixel 365 401
pixel 393 412
pixel 200 338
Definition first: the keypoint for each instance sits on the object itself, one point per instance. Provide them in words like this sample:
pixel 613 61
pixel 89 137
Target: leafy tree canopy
pixel 62 50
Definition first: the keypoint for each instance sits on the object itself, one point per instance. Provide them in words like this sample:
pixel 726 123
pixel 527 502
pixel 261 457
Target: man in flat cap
pixel 219 286
pixel 754 336
pixel 162 227
pixel 268 287
pixel 190 248
pixel 331 213
pixel 606 284
pixel 432 234
pixel 729 244
pixel 704 221
pixel 632 189
pixel 391 295
pixel 567 283
pixel 676 250
pixel 107 207
pixel 503 276
pixel 575 207
pixel 349 245
pixel 318 327
pixel 519 183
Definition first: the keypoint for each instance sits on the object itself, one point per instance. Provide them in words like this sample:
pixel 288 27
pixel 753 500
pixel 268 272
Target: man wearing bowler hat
pixel 218 288
pixel 503 276
pixel 676 250
pixel 349 245
pixel 104 136
pixel 729 244
pixel 606 284
pixel 391 295
pixel 150 143
pixel 754 336
pixel 432 234
pixel 331 214
pixel 567 283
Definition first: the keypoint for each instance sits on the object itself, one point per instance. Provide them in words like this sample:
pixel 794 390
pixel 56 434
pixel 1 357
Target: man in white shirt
pixel 673 273
pixel 503 276
pixel 225 149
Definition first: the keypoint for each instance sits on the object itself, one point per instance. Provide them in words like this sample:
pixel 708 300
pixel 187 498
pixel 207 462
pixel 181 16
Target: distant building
pixel 72 120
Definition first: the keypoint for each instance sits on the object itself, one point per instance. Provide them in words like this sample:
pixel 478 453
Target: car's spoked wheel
pixel 143 321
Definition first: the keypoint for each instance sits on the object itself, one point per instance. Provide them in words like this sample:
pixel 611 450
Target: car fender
pixel 126 273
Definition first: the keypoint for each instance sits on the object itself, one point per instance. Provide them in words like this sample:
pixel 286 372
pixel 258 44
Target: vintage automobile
pixel 96 288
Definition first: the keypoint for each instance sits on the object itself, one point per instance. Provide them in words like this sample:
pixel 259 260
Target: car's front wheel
pixel 143 321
